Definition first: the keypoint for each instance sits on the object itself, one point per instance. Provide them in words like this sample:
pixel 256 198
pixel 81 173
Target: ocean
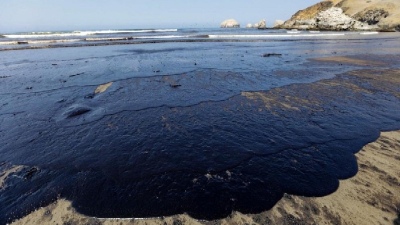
pixel 26 40
pixel 157 122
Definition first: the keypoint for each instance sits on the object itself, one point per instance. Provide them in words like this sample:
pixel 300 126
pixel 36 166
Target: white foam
pixel 52 41
pixel 27 36
pixel 83 33
pixel 275 35
pixel 8 42
pixel 293 31
pixel 369 33
pixel 161 37
pixel 39 41
pixel 132 31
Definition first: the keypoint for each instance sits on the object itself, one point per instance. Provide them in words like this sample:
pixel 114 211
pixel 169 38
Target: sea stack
pixel 249 25
pixel 262 25
pixel 230 23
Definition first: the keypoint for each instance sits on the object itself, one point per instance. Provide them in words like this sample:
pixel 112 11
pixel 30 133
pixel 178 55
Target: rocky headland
pixel 348 15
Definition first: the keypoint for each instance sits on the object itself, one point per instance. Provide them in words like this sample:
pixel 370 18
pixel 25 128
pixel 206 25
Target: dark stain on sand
pixel 206 159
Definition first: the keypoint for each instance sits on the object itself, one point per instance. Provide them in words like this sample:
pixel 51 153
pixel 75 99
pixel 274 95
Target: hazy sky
pixel 42 15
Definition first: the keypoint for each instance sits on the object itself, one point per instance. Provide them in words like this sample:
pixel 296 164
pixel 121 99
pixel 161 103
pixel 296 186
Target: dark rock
pixel 47 213
pixel 397 221
pixel 73 75
pixel 175 85
pixel 271 54
pixel 30 173
pixel 372 16
pixel 90 96
pixel 177 222
pixel 397 28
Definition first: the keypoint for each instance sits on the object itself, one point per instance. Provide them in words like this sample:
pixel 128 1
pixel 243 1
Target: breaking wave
pixel 84 33
pixel 241 36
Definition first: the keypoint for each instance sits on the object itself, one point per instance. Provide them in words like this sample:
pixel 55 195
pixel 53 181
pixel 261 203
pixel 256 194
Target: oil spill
pixel 206 159
pixel 204 139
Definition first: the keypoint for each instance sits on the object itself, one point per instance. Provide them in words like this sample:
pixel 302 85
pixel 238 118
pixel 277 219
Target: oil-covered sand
pixel 371 197
pixel 152 133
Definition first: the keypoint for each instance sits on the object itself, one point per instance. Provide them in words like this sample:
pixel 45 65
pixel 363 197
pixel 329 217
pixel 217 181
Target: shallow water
pixel 203 128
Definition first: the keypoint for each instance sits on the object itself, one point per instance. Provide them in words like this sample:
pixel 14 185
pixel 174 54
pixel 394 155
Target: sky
pixel 46 15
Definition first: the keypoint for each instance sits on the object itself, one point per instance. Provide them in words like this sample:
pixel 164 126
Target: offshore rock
pixel 230 23
pixel 249 25
pixel 262 25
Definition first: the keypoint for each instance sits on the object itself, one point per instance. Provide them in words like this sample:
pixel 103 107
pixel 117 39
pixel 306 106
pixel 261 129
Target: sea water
pixel 26 40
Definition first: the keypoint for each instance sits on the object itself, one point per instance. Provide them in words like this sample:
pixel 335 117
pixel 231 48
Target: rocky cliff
pixel 380 15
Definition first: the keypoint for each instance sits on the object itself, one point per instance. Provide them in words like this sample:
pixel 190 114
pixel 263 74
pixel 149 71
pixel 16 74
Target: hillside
pixel 382 15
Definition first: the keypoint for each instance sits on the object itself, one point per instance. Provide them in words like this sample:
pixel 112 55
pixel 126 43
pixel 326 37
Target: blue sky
pixel 43 15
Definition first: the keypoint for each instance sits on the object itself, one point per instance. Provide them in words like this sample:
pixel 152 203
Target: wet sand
pixel 349 60
pixel 371 197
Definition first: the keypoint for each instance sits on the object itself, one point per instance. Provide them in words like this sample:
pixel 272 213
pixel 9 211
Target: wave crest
pixel 84 33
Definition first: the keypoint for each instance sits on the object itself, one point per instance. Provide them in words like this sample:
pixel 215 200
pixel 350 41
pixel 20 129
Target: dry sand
pixel 102 88
pixel 371 197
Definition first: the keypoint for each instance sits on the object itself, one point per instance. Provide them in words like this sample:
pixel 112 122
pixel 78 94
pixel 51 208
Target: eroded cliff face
pixel 381 15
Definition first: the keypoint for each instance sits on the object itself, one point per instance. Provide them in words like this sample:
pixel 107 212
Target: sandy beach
pixel 142 114
pixel 191 132
pixel 371 197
